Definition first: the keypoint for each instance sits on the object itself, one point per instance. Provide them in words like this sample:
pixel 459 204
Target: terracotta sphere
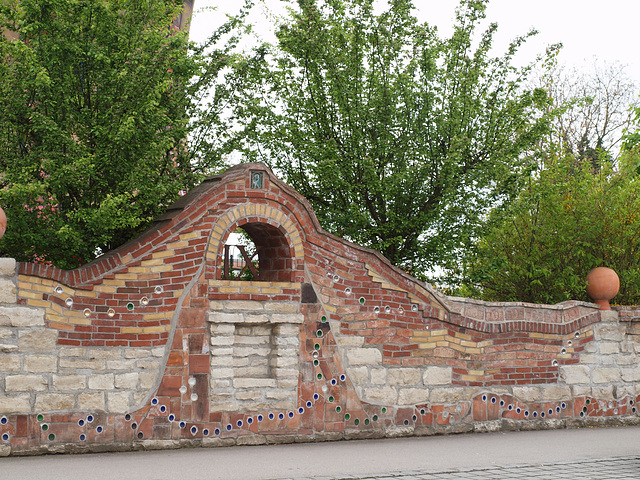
pixel 602 285
pixel 3 222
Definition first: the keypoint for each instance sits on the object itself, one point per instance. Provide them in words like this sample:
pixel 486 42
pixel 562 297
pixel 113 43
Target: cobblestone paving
pixel 605 469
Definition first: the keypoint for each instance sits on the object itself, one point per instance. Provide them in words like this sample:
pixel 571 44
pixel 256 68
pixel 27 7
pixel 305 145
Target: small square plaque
pixel 257 180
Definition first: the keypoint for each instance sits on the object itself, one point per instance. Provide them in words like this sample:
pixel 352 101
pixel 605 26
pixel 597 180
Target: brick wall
pixel 150 346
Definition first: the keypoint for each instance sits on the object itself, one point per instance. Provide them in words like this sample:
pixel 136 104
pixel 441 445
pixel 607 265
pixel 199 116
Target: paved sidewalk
pixel 589 453
pixel 605 469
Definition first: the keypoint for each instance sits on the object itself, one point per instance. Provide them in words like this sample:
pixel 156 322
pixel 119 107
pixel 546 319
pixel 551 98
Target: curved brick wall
pixel 151 346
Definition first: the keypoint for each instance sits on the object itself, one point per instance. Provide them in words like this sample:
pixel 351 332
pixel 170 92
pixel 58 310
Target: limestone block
pixel 609 348
pixel 225 361
pixel 81 364
pixel 412 396
pixel 8 348
pixel 284 329
pixel 71 351
pixel 224 317
pixel 286 372
pixel 8 292
pixel 349 340
pixel 254 382
pixel 250 351
pixel 589 359
pixel 251 371
pixel 123 365
pixel 147 379
pixel 15 403
pixel 158 352
pixel 37 340
pixel 21 317
pixel 604 392
pixel 631 374
pixel 606 375
pixel 222 373
pixel 358 375
pixel 554 393
pixel 7 267
pixel 614 332
pixel 126 380
pixel 446 395
pixel 223 329
pixel 10 363
pixel 382 395
pixel 110 354
pixel 101 381
pixel 626 359
pixel 26 383
pixel 69 382
pixel 222 351
pixel 277 394
pixel 230 406
pixel 118 402
pixel 137 353
pixel 581 390
pixel 48 402
pixel 91 401
pixel 364 356
pixel 6 332
pixel 222 340
pixel 288 382
pixel 284 361
pixel 40 363
pixel 250 305
pixel 287 340
pixel 527 394
pixel 220 384
pixel 281 307
pixel 249 395
pixel 294 318
pixel 378 376
pixel 255 318
pixel 148 364
pixel 437 376
pixel 216 305
pixel 404 376
pixel 572 374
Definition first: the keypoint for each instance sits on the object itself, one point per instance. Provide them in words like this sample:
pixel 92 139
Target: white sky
pixel 606 30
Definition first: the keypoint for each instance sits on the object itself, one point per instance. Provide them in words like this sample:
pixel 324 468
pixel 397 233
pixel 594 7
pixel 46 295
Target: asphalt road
pixel 387 458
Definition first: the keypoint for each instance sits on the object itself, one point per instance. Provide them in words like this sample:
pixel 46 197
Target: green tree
pixel 568 220
pixel 97 97
pixel 400 139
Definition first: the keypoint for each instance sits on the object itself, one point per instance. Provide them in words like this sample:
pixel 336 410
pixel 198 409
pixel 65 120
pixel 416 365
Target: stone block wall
pixel 152 346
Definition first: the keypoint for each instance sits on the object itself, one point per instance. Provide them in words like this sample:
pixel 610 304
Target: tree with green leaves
pixel 98 98
pixel 569 219
pixel 400 139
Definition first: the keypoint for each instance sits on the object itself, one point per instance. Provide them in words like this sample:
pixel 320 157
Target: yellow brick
pixel 456 347
pixel 439 338
pixel 37 303
pixel 30 294
pixel 443 344
pixel 427 346
pixel 126 276
pixel 127 258
pixel 54 307
pixel 476 372
pixel 80 321
pixel 189 236
pixel 330 308
pixel 162 268
pixel 451 339
pixel 158 329
pixel 48 282
pixel 468 378
pixel 152 262
pixel 155 316
pixel 116 283
pixel 177 293
pixel 440 331
pixel 229 290
pixel 422 333
pixel 57 318
pixel 473 351
pixel 131 330
pixel 464 343
pixel 564 357
pixel 268 291
pixel 41 288
pixel 105 289
pixel 86 293
pixel 179 244
pixel 250 290
pixel 61 326
pixel 464 336
pixel 485 343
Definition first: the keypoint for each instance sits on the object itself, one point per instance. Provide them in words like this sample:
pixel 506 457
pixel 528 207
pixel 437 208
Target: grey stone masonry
pixel 38 375
pixel 254 355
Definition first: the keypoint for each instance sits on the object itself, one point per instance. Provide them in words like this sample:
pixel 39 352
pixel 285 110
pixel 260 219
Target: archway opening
pixel 270 248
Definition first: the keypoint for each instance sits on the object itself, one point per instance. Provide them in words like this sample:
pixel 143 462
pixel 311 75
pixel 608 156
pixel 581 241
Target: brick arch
pixel 270 229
